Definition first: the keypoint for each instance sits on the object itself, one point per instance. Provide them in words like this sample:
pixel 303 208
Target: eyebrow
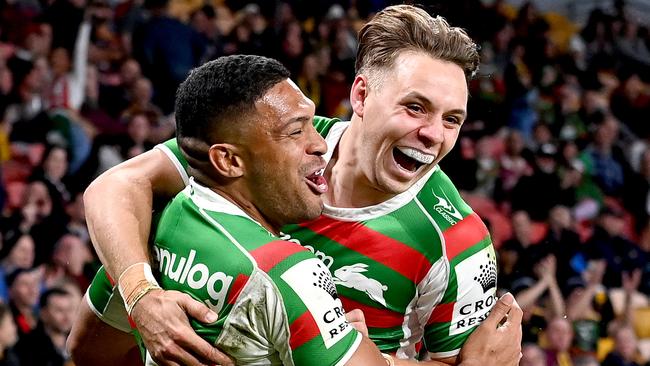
pixel 299 119
pixel 427 103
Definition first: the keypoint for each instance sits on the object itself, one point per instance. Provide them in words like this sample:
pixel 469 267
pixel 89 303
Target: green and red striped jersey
pixel 421 265
pixel 276 301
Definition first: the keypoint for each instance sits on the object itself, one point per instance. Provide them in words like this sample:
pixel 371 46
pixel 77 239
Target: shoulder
pixel 444 197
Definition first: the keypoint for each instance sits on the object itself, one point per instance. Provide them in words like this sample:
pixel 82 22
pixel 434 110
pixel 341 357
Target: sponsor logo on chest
pixel 196 275
pixel 477 282
pixel 312 282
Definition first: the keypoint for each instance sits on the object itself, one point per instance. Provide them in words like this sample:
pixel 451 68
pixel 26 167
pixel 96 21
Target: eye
pixel 415 108
pixel 296 132
pixel 454 120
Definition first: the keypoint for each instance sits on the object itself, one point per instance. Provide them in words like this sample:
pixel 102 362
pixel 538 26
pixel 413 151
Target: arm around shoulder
pixel 118 207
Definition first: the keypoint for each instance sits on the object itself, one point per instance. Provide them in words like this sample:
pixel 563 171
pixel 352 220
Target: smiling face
pixel 410 119
pixel 282 152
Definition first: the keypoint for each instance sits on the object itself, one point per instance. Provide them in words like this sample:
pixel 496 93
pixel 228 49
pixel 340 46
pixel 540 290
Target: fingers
pixel 355 315
pixel 195 309
pixel 204 350
pixel 500 310
pixel 357 320
pixel 515 314
pixel 193 342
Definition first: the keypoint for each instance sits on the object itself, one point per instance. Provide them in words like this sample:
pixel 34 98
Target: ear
pixel 226 160
pixel 358 94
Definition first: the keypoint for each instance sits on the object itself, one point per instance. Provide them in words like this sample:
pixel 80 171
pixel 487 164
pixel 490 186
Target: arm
pixel 80 63
pixel 497 341
pixel 631 283
pixel 545 271
pixel 118 208
pixel 89 334
pixel 581 307
pixel 558 305
pixel 118 212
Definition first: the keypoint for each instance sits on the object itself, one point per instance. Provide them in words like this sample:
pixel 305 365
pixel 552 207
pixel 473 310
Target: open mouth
pixel 317 182
pixel 411 159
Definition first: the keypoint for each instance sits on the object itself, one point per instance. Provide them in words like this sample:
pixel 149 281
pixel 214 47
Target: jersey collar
pixel 368 212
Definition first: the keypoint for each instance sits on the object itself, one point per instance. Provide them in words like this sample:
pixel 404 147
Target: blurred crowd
pixel 555 154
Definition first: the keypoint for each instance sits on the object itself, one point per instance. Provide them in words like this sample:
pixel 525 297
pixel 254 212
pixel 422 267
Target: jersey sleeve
pixel 318 331
pixel 173 152
pixel 105 301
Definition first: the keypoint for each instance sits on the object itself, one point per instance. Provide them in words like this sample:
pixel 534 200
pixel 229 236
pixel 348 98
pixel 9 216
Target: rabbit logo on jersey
pixel 312 282
pixel 477 276
pixel 352 277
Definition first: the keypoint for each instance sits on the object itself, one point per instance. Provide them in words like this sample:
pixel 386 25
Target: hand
pixel 497 341
pixel 358 321
pixel 594 273
pixel 545 269
pixel 631 281
pixel 162 321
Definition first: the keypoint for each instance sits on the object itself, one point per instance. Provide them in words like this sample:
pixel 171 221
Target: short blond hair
pixel 401 28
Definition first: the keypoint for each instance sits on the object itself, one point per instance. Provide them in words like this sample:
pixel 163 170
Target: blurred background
pixel 555 154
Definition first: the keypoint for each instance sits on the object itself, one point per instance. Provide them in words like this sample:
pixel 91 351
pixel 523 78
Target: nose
pixel 316 144
pixel 432 133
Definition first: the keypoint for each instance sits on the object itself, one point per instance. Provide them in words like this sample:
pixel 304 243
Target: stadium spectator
pixel 45 345
pixel 8 338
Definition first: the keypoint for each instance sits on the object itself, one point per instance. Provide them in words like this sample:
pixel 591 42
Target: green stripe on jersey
pixel 324 124
pixel 186 247
pixel 292 303
pixel 336 256
pixel 410 226
pixel 100 290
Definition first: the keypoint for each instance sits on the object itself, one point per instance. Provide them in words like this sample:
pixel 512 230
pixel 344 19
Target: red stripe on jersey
pixel 270 254
pixel 302 330
pixel 375 317
pixel 236 288
pixel 109 278
pixel 131 322
pixel 442 313
pixel 465 234
pixel 418 346
pixel 374 245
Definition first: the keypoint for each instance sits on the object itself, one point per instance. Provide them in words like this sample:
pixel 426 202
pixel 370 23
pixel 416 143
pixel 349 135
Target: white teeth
pixel 320 172
pixel 417 155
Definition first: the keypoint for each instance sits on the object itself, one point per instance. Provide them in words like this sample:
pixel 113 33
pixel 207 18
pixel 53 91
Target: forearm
pixel 582 304
pixel 118 214
pixel 118 208
pixel 529 296
pixel 557 301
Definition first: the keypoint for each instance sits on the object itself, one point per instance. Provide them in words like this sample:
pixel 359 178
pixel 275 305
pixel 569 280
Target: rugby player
pixel 401 243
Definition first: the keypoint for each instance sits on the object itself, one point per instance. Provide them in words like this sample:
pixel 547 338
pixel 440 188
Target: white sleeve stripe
pixel 103 318
pixel 351 351
pixel 175 161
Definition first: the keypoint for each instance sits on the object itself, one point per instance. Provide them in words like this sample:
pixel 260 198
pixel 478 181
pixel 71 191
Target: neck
pixel 349 187
pixel 237 198
pixel 25 310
